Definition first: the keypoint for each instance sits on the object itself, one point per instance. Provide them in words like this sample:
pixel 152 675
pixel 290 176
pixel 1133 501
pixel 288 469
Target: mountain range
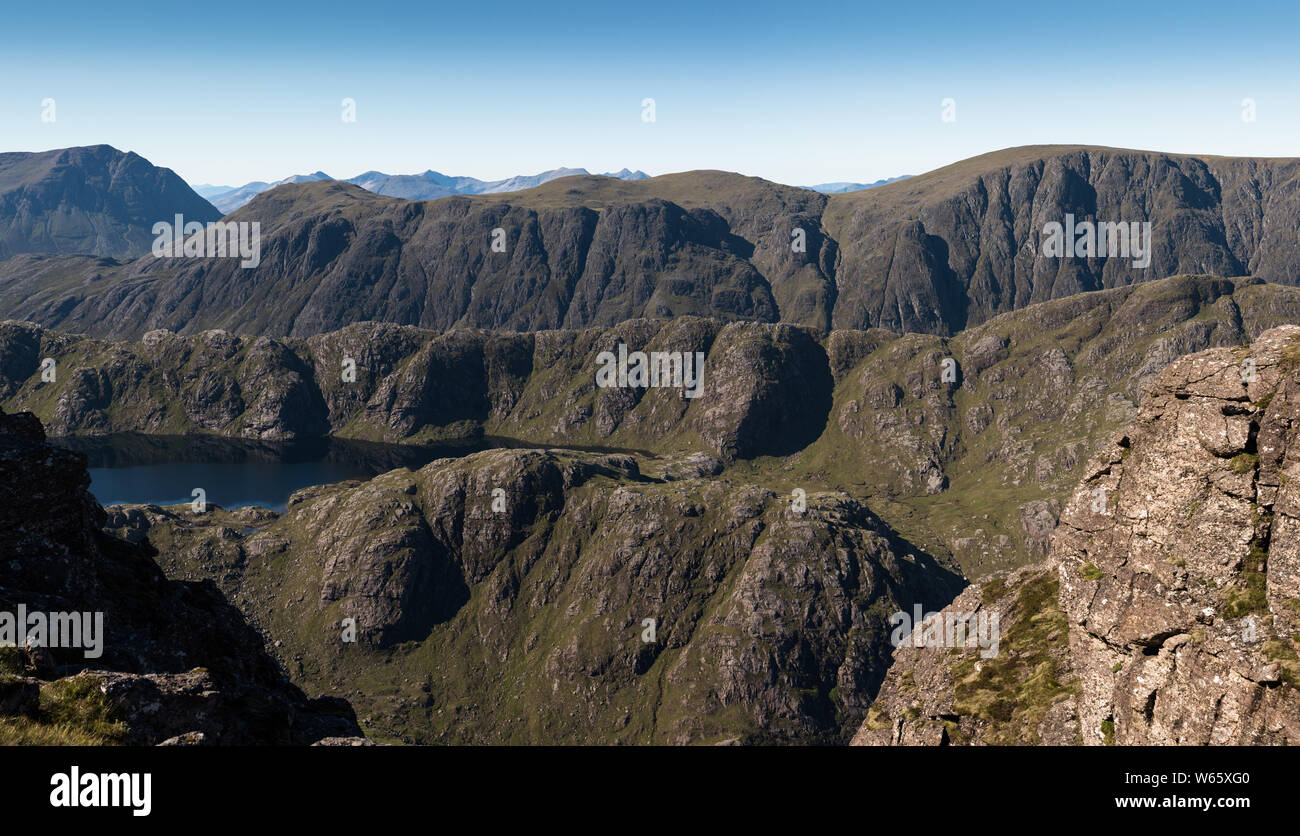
pixel 228 198
pixel 843 187
pixel 935 254
pixel 772 621
pixel 431 185
pixel 426 186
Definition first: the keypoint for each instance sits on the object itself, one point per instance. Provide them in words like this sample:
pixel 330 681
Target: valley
pixel 976 469
pixel 457 487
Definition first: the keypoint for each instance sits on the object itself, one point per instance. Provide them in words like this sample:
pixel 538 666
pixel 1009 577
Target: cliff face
pixel 176 659
pixel 932 254
pixel 763 388
pixel 503 597
pixel 1167 609
pixel 956 246
pixel 94 200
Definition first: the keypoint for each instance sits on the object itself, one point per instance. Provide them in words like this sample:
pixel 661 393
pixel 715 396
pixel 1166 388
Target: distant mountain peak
pixel 428 185
pixel 844 187
pixel 304 178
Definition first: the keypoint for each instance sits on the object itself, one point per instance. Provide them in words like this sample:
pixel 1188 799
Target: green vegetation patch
pixel 1283 651
pixel 877 718
pixel 1243 463
pixel 1249 592
pixel 12 662
pixel 72 712
pixel 1014 690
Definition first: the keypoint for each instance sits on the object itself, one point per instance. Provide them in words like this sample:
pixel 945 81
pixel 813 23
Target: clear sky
pixel 801 93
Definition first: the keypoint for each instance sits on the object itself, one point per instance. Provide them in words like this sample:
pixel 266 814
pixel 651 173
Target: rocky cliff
pixel 1167 609
pixel 577 252
pixel 177 662
pixel 953 247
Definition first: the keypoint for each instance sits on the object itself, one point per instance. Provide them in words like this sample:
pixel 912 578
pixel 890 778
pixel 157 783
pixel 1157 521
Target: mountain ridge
pixel 934 253
pixel 428 185
pixel 843 186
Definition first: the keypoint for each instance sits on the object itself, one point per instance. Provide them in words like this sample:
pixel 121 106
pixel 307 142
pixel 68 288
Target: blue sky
pixel 796 92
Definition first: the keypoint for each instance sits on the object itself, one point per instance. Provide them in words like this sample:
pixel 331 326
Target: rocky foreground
pixel 178 663
pixel 1168 608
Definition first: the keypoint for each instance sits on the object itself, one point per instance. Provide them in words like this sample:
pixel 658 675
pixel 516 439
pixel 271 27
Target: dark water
pixel 165 470
pixel 128 468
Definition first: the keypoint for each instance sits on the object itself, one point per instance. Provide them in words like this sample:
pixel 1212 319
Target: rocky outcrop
pixel 1166 612
pixel 763 389
pixel 534 596
pixel 174 657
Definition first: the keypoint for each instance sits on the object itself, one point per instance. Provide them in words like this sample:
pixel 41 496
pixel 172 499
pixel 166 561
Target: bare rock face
pixel 767 390
pixel 1167 557
pixel 174 657
pixel 1175 582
